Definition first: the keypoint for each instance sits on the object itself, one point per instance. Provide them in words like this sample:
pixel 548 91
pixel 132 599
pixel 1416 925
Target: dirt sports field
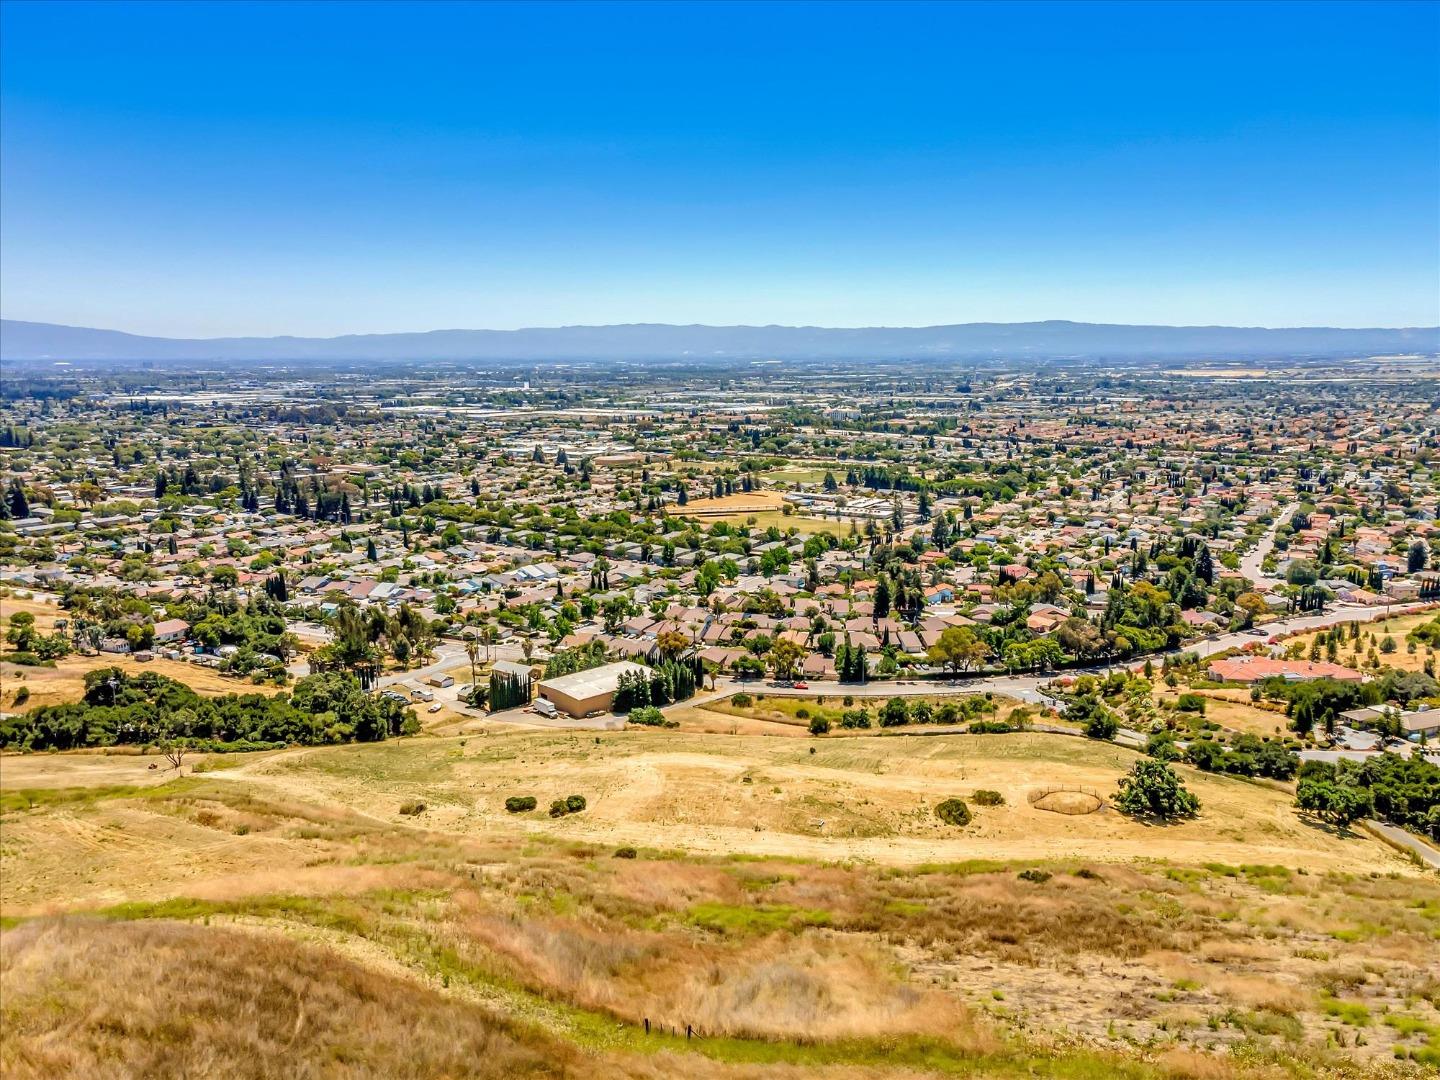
pixel 807 913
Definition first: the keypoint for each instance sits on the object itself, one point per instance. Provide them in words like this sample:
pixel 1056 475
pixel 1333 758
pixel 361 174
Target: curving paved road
pixel 1253 560
pixel 1426 853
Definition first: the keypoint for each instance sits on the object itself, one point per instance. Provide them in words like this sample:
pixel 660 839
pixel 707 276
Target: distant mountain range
pixel 657 341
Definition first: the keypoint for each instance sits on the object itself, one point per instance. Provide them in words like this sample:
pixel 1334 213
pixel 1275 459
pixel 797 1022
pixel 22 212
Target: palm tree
pixel 472 650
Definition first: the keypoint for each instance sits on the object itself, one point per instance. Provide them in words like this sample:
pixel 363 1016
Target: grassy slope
pixel 787 965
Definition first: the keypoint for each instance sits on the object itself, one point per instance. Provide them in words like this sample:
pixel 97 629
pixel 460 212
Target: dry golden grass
pixel 65 682
pixel 93 999
pixel 854 798
pixel 1233 710
pixel 1371 634
pixel 764 507
pixel 44 606
pixel 741 502
pixel 816 987
pixel 897 933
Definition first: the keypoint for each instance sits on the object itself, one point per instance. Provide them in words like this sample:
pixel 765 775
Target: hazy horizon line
pixel 716 326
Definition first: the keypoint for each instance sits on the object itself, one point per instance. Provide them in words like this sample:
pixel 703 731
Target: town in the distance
pixel 811 713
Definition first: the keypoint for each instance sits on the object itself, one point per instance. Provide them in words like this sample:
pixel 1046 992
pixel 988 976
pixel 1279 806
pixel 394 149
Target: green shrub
pixel 894 713
pixel 953 812
pixel 558 808
pixel 574 803
pixel 990 727
pixel 986 797
pixel 1191 703
pixel 741 701
pixel 412 808
pixel 28 659
pixel 518 804
pixel 625 853
pixel 650 716
pixel 1037 876
pixel 819 726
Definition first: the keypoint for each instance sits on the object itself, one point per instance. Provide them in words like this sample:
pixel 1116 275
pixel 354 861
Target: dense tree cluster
pixel 149 709
pixel 671 681
pixel 1152 790
pixel 1402 790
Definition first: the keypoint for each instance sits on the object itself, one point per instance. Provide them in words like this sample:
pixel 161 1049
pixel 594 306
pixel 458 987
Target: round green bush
pixel 625 853
pixel 986 797
pixel 953 812
pixel 574 803
pixel 518 804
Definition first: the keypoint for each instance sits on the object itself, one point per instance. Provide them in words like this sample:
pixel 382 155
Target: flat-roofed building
pixel 586 692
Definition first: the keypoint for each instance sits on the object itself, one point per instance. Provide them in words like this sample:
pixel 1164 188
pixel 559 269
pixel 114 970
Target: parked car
pixel 435 708
pixel 802 686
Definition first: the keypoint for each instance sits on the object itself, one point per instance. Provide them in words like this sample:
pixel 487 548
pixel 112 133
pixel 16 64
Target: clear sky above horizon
pixel 197 169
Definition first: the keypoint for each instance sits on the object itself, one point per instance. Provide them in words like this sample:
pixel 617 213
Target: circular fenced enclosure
pixel 1067 799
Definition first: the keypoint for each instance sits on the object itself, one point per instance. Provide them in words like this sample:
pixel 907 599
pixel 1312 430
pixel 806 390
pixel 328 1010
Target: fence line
pixel 1036 794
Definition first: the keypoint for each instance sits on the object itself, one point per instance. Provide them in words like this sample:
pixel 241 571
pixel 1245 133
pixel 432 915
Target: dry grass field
pixel 760 510
pixel 1371 634
pixel 1232 709
pixel 792 714
pixel 66 680
pixel 804 912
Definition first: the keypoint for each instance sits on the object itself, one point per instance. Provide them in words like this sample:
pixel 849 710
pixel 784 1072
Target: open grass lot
pixel 806 913
pixel 1371 634
pixel 785 522
pixel 1232 709
pixel 44 606
pixel 799 474
pixel 760 510
pixel 66 680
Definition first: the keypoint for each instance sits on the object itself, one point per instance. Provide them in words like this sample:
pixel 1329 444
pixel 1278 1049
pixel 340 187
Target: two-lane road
pixel 1252 563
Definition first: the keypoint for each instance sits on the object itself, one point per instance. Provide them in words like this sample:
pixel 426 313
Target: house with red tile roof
pixel 1253 669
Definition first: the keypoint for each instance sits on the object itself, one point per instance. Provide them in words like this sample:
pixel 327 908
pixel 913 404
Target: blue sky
pixel 189 169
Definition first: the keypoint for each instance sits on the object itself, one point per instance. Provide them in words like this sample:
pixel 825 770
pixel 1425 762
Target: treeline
pixel 1247 755
pixel 1403 791
pixel 674 680
pixel 147 709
